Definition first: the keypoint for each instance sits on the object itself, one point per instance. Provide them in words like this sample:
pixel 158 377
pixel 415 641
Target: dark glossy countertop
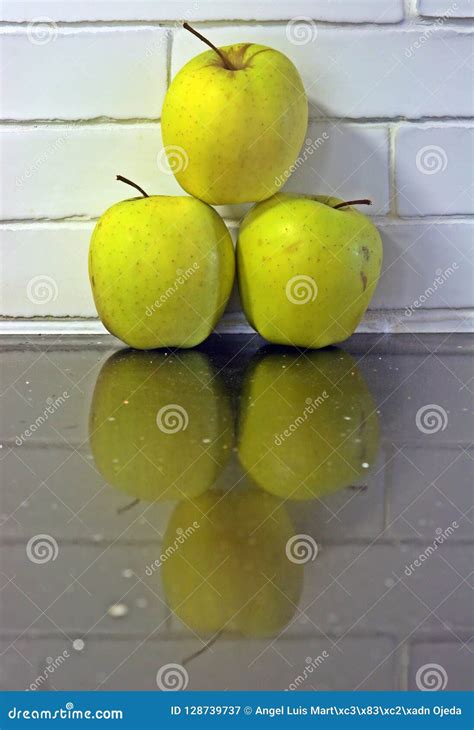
pixel 259 517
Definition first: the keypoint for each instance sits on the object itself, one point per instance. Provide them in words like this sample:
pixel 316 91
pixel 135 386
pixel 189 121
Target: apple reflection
pixel 160 425
pixel 308 423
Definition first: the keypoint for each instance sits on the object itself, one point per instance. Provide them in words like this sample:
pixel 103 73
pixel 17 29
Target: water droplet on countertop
pixel 118 610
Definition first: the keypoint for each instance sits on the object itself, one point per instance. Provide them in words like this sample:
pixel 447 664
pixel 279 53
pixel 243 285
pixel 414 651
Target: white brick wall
pixel 390 89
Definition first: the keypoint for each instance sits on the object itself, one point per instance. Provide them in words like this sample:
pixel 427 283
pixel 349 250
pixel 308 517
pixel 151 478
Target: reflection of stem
pixel 203 648
pixel 121 510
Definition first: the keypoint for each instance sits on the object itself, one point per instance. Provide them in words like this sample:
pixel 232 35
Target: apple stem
pixel 203 648
pixel 222 55
pixel 121 510
pixel 134 185
pixel 364 201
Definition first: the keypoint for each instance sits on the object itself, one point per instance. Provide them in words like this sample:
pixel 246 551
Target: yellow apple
pixel 160 426
pixel 308 424
pixel 307 268
pixel 233 121
pixel 226 566
pixel 161 270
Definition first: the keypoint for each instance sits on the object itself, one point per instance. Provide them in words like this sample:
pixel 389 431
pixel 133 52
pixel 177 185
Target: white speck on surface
pixel 127 573
pixel 78 645
pixel 118 610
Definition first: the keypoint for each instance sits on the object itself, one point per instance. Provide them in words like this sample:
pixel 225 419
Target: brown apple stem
pixel 222 55
pixel 364 201
pixel 203 648
pixel 134 185
pixel 128 506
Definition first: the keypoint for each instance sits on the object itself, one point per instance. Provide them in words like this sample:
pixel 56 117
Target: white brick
pixel 446 8
pixel 429 490
pixel 434 170
pixel 350 161
pixel 455 659
pixel 377 11
pixel 415 380
pixel 47 267
pixel 356 588
pixel 81 74
pixel 415 255
pixel 79 607
pixel 132 664
pixel 56 491
pixel 64 170
pixel 365 72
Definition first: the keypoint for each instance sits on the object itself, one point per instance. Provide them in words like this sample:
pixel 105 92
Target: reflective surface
pixel 258 517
